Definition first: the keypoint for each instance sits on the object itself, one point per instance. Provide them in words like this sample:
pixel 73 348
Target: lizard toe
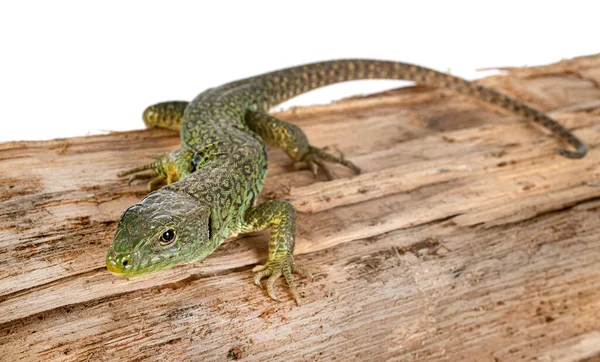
pixel 271 284
pixel 280 265
pixel 261 271
pixel 317 158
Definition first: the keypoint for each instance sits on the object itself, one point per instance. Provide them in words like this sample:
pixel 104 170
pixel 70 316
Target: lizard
pixel 213 180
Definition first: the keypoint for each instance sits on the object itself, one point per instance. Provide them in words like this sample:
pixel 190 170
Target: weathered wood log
pixel 466 238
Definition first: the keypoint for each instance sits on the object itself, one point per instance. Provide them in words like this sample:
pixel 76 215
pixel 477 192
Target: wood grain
pixel 466 238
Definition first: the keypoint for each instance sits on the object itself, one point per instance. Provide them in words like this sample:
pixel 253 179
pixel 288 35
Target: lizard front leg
pixel 280 216
pixel 294 142
pixel 169 167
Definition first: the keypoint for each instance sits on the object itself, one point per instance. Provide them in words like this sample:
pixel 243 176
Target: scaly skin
pixel 215 177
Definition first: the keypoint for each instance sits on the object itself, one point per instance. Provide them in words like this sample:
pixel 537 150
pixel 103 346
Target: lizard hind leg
pixel 294 142
pixel 279 215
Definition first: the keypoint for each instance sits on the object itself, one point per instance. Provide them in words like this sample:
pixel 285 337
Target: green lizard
pixel 214 179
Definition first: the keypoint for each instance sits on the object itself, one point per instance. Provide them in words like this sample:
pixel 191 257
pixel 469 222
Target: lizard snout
pixel 119 265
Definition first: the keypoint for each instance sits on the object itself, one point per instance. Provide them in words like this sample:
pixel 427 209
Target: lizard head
pixel 163 230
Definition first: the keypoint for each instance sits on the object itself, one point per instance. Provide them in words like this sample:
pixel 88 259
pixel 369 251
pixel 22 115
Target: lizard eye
pixel 167 237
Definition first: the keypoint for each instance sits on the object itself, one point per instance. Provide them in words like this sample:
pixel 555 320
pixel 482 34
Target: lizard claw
pixel 139 176
pixel 316 159
pixel 281 265
pixel 163 168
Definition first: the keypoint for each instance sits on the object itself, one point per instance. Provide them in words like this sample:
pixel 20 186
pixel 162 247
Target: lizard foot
pixel 316 158
pixel 281 265
pixel 153 184
pixel 162 169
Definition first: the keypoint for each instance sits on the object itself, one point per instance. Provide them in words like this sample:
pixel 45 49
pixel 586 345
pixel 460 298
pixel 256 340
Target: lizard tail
pixel 282 85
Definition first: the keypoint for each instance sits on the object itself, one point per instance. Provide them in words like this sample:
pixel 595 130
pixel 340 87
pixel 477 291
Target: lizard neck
pixel 229 181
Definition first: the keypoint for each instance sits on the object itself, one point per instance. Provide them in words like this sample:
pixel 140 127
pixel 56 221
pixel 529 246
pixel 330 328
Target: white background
pixel 72 68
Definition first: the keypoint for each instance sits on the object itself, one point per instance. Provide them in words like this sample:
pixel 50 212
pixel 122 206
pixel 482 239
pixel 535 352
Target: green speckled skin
pixel 215 177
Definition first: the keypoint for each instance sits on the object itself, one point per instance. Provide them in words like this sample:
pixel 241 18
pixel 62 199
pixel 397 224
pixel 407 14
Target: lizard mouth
pixel 125 266
pixel 120 265
pixel 116 269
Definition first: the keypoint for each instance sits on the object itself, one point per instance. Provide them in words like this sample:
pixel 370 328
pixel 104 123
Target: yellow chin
pixel 115 269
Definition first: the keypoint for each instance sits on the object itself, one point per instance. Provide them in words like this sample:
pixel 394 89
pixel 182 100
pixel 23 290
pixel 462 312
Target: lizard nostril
pixel 125 262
